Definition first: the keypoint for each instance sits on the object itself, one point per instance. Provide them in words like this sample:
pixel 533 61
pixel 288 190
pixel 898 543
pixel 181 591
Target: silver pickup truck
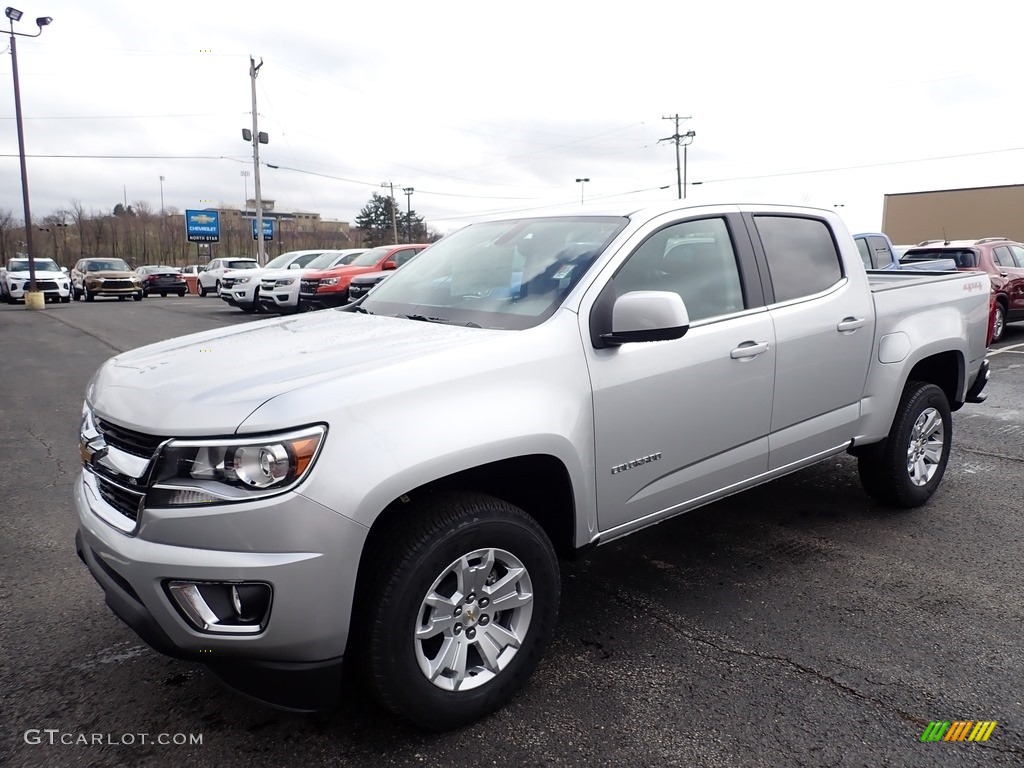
pixel 391 484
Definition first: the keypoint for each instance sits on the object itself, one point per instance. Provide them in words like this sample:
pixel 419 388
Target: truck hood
pixel 342 271
pixel 208 383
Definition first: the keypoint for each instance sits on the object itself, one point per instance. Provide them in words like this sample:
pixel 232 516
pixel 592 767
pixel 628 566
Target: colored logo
pixel 202 226
pixel 958 730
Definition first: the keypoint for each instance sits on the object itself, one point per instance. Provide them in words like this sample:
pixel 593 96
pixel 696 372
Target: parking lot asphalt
pixel 798 624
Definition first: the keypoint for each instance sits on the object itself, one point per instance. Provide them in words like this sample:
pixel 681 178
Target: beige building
pixel 955 214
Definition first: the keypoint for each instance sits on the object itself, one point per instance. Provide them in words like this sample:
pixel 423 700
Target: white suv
pixel 209 279
pixel 279 288
pixel 243 290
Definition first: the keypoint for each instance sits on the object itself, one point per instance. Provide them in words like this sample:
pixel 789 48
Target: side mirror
pixel 647 316
pixel 390 265
pixel 64 270
pixel 294 265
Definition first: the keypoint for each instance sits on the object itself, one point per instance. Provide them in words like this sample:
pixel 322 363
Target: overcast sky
pixel 489 108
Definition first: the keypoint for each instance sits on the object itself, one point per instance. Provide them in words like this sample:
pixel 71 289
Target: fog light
pixel 223 607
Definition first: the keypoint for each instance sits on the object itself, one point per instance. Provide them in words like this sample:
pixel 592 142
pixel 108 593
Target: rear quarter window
pixel 801 254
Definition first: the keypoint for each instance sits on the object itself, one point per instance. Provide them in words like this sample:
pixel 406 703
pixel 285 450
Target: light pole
pixel 33 298
pixel 394 219
pixel 408 213
pixel 583 184
pixel 688 135
pixel 160 233
pixel 256 137
pixel 245 200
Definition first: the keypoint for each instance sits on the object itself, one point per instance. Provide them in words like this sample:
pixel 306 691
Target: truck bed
pixel 887 280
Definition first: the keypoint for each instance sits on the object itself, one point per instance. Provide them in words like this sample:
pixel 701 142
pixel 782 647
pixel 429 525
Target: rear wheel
pixel 906 468
pixel 460 604
pixel 998 322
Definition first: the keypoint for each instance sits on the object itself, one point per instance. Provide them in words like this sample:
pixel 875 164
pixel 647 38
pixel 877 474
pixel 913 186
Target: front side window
pixel 882 256
pixel 509 274
pixel 694 259
pixel 1018 254
pixel 1003 257
pixel 801 254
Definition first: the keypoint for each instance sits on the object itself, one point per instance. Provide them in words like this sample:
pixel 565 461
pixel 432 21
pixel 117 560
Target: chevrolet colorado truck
pixel 388 487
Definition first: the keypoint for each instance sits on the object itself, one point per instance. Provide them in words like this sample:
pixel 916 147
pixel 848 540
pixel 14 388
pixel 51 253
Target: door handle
pixel 849 324
pixel 748 350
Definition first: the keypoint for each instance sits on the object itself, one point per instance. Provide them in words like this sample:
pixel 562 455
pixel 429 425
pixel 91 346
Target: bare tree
pixel 6 236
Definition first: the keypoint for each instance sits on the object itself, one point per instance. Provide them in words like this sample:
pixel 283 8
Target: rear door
pixel 824 330
pixel 1012 266
pixel 678 420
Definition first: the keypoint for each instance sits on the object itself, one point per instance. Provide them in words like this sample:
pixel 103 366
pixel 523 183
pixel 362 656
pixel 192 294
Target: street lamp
pixel 390 185
pixel 408 213
pixel 583 184
pixel 688 135
pixel 34 299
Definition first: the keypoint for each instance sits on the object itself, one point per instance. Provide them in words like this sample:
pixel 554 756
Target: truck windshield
pixel 510 274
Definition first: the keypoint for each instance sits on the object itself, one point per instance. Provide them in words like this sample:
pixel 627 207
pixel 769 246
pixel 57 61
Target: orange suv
pixel 1001 258
pixel 329 287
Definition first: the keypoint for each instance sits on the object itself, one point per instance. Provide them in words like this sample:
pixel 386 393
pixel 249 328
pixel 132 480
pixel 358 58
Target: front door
pixel 678 420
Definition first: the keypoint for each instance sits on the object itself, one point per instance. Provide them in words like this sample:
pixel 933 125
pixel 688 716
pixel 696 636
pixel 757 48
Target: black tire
pixel 137 296
pixel 75 295
pixel 88 294
pixel 405 560
pixel 998 323
pixel 65 299
pixel 163 294
pixel 121 298
pixel 202 290
pixel 885 469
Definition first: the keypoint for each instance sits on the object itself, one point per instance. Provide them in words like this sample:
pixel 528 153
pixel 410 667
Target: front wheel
pixel 138 296
pixel 88 294
pixel 907 467
pixel 461 602
pixel 202 291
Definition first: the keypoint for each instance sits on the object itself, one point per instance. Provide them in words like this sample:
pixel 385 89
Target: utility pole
pixel 408 213
pixel 254 70
pixel 394 219
pixel 679 138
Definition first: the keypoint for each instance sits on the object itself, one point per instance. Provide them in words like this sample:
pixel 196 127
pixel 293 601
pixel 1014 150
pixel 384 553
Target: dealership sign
pixel 202 226
pixel 268 229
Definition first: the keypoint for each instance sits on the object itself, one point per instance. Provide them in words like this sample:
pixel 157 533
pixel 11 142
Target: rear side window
pixel 1018 254
pixel 802 256
pixel 865 254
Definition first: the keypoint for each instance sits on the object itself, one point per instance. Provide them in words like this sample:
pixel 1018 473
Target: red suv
pixel 1002 259
pixel 329 287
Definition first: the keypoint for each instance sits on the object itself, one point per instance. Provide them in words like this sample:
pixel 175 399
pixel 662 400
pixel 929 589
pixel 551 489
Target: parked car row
pixel 1000 258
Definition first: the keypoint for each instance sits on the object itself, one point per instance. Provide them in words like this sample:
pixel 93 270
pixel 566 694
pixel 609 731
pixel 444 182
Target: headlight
pixel 286 281
pixel 240 280
pixel 329 280
pixel 204 471
pixel 135 279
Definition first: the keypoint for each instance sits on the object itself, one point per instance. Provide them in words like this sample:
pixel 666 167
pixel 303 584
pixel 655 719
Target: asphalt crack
pixel 52 456
pixel 658 613
pixel 992 455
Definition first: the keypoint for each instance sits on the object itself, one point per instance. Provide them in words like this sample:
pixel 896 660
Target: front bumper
pixel 17 291
pixel 99 289
pixel 280 299
pixel 312 301
pixel 306 552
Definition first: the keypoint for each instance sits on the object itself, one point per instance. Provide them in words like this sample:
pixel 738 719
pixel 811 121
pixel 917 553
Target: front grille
pixel 227 282
pixel 46 285
pixel 116 284
pixel 309 286
pixel 124 501
pixel 267 285
pixel 128 440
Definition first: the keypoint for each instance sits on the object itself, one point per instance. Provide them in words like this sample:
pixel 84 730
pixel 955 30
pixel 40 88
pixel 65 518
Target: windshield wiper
pixel 359 309
pixel 441 320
